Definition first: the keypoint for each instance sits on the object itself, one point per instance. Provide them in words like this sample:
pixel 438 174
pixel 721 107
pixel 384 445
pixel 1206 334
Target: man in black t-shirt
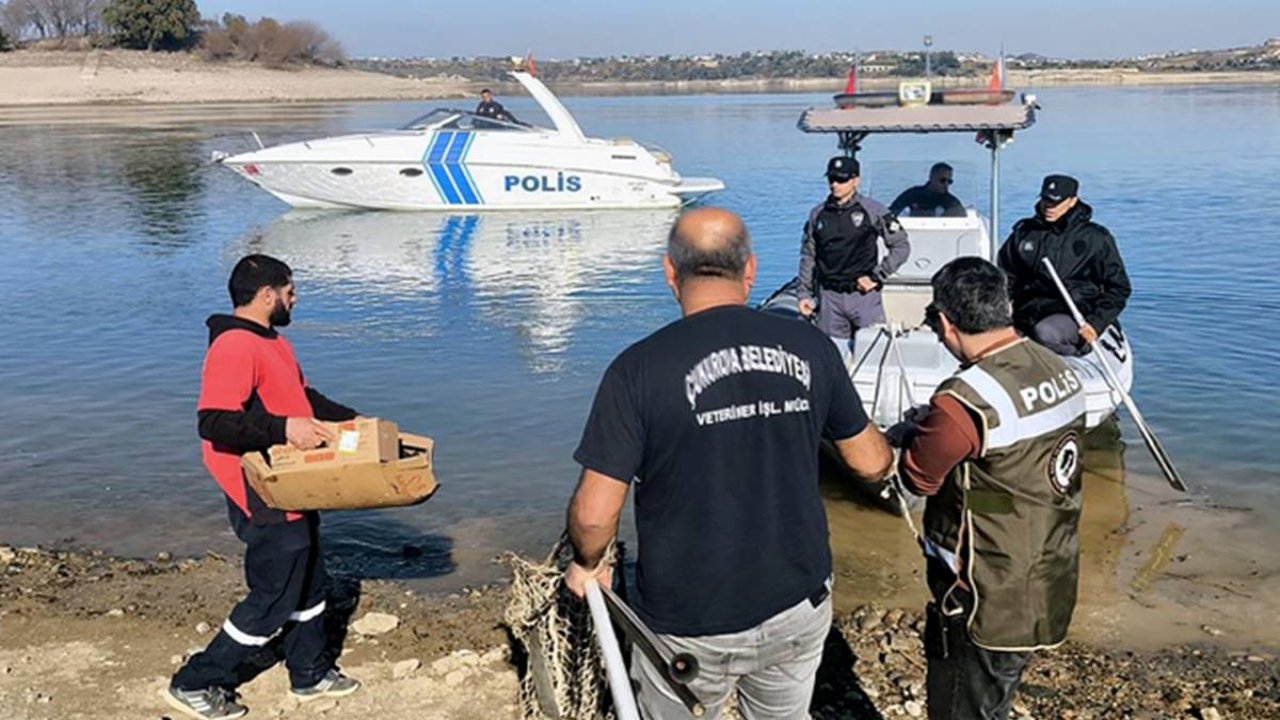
pixel 717 420
pixel 933 199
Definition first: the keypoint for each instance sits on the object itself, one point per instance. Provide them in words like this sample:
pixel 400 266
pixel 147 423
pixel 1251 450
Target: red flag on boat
pixel 533 68
pixel 997 75
pixel 851 85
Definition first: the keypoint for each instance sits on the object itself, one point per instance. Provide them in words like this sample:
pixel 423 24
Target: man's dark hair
pixel 973 294
pixel 939 167
pixel 486 91
pixel 721 257
pixel 253 273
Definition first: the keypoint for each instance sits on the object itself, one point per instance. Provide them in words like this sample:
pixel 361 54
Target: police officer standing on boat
pixel 490 108
pixel 998 455
pixel 840 268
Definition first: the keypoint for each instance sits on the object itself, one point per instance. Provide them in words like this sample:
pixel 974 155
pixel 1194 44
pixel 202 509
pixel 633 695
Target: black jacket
pixel 1086 258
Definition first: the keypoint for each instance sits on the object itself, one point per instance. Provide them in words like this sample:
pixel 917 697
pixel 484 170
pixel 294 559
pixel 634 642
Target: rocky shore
pixel 83 635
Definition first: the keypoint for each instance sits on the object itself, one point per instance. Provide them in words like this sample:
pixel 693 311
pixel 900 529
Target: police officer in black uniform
pixel 491 108
pixel 1085 256
pixel 839 257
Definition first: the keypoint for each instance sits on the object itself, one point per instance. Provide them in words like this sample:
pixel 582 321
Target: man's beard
pixel 280 316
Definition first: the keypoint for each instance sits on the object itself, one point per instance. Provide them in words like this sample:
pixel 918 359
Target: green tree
pixel 152 24
pixel 5 43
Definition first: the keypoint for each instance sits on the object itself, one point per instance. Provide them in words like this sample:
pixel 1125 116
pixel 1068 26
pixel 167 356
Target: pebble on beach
pixel 376 624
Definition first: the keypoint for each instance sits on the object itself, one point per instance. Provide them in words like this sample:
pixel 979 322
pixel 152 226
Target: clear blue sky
pixel 567 28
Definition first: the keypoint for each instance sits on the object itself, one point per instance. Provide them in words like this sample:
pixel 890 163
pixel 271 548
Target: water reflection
pixel 534 274
pixel 164 175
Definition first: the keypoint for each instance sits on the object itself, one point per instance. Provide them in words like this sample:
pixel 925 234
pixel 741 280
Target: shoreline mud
pixel 86 635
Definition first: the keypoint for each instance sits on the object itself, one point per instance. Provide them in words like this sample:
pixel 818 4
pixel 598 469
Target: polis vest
pixel 1007 522
pixel 844 245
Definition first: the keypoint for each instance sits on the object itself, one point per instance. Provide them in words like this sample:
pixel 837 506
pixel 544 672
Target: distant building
pixel 1272 43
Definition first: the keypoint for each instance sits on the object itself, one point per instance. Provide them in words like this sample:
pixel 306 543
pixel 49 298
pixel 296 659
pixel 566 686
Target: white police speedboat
pixel 457 160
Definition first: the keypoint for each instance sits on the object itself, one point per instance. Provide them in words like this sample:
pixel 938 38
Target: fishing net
pixel 565 677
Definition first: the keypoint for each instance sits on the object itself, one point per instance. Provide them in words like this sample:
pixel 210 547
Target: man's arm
pixel 901 202
pixel 610 453
pixel 952 207
pixel 806 290
pixel 945 438
pixel 1115 284
pixel 241 431
pixel 895 241
pixel 593 516
pixel 867 454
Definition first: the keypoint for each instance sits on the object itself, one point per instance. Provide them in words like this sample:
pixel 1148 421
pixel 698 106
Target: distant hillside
pixel 794 65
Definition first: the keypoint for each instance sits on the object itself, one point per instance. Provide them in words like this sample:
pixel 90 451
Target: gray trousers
pixel 1060 334
pixel 771 666
pixel 840 315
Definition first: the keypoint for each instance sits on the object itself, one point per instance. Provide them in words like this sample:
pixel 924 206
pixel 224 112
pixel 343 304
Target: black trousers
pixel 285 573
pixel 964 681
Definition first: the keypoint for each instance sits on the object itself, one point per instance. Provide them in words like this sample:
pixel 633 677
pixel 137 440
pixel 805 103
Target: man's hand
pixel 306 433
pixel 901 434
pixel 576 577
pixel 807 307
pixel 1088 333
pixel 866 284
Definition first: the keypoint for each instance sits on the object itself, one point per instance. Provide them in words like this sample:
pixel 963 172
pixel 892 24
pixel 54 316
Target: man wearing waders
pixel 716 419
pixel 840 264
pixel 252 396
pixel 998 455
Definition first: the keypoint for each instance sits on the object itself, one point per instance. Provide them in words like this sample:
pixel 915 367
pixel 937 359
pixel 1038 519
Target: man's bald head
pixel 709 243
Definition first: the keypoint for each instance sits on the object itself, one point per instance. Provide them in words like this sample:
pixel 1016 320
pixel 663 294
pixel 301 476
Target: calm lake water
pixel 490 332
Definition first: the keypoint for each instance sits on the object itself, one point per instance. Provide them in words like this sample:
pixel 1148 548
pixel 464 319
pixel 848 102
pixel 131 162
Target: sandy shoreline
pixel 36 80
pixel 116 77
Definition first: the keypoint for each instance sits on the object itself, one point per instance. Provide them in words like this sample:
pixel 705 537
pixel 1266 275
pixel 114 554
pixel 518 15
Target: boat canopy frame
pixel 994 126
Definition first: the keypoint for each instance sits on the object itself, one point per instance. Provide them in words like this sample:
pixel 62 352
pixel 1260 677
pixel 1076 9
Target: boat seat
pixel 935 241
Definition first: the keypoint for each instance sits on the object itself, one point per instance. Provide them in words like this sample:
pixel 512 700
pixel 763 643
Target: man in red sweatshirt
pixel 253 395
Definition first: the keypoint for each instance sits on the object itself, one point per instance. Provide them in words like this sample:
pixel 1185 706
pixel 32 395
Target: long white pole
pixel 624 700
pixel 995 196
pixel 1148 436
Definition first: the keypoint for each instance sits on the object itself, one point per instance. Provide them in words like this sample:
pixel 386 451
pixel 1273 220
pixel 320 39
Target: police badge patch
pixel 1064 464
pixel 857 219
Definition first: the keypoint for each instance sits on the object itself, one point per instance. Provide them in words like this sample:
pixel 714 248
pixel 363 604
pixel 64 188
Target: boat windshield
pixel 443 119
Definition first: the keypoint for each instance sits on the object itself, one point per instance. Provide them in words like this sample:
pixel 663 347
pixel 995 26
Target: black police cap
pixel 843 166
pixel 1057 188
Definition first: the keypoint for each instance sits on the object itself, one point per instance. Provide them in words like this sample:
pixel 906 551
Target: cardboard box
pixel 362 440
pixel 340 483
